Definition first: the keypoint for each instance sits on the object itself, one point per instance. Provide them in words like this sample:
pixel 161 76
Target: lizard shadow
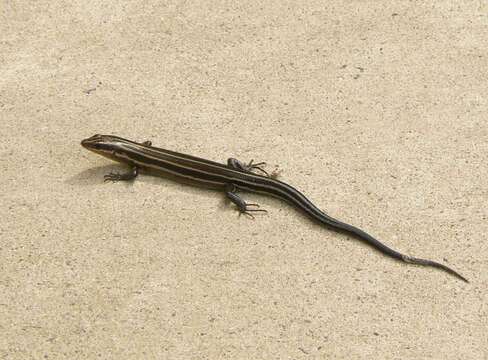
pixel 94 176
pixel 91 176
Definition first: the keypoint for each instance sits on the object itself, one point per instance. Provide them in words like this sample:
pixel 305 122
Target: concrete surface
pixel 376 110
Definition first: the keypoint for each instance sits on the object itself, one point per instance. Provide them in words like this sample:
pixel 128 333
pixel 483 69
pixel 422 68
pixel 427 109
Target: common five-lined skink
pixel 230 178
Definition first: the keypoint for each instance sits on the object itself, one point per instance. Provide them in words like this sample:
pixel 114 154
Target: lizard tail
pixel 424 262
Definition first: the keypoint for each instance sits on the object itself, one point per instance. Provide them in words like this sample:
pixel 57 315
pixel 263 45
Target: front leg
pixel 242 206
pixel 127 176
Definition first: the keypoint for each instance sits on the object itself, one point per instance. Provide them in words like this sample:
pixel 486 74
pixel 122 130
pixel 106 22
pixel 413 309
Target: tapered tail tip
pixel 431 263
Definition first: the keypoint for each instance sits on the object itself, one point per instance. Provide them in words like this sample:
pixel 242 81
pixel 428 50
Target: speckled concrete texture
pixel 375 110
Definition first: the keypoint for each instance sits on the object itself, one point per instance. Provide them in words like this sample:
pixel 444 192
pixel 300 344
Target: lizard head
pixel 109 146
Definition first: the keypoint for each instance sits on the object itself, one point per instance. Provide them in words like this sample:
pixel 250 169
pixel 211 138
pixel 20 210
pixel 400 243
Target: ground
pixel 375 110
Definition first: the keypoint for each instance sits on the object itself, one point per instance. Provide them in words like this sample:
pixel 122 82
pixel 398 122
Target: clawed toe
pixel 256 205
pixel 246 211
pixel 113 176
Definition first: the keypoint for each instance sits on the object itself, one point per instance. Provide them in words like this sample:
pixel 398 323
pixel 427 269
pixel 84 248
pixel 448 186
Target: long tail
pixel 385 249
pixel 338 225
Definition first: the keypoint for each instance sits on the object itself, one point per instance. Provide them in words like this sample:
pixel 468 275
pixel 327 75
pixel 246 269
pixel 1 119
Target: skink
pixel 230 178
